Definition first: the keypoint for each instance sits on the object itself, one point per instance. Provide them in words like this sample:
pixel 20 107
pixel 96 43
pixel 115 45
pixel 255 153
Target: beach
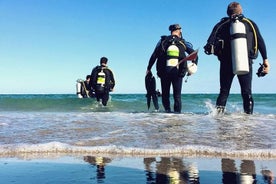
pixel 90 169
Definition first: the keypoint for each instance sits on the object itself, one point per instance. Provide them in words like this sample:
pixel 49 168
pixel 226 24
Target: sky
pixel 46 45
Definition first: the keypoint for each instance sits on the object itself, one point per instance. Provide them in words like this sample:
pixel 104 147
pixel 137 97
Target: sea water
pixel 66 124
pixel 126 132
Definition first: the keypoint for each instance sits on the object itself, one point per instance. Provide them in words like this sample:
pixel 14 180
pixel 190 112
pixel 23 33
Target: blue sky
pixel 46 45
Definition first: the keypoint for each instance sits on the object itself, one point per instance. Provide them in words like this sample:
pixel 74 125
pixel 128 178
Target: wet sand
pixel 97 169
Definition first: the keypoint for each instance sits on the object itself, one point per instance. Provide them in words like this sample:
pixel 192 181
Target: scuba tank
pixel 172 55
pixel 100 81
pixel 78 88
pixel 101 78
pixel 240 63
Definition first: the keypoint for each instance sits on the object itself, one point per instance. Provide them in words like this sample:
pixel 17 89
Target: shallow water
pixel 34 124
pixel 62 139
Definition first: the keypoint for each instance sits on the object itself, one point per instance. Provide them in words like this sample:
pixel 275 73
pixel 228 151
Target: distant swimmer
pixel 150 84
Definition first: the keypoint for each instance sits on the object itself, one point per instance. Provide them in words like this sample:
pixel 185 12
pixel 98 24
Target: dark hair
pixel 103 60
pixel 88 76
pixel 174 27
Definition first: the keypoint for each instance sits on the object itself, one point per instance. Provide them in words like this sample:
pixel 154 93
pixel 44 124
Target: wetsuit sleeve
pixel 154 55
pixel 112 80
pixel 261 42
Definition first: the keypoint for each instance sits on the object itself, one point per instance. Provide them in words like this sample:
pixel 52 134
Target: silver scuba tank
pixel 78 88
pixel 240 63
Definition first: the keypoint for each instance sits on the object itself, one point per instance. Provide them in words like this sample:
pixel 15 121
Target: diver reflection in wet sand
pixel 170 170
pixel 248 172
pixel 229 171
pixel 267 176
pixel 100 163
pixel 246 175
pixel 150 170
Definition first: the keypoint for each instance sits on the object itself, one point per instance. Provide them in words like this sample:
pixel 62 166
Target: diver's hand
pixel 147 71
pixel 266 66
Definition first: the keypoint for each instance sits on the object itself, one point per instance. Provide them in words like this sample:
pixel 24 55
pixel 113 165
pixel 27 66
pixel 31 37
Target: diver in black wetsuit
pixel 102 81
pixel 219 44
pixel 170 71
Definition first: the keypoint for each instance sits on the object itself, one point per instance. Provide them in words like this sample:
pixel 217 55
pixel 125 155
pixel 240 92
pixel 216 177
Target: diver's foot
pixel 220 110
pixel 168 111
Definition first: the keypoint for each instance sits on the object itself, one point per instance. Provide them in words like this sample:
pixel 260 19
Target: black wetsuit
pixel 86 90
pixel 222 31
pixel 102 94
pixel 173 76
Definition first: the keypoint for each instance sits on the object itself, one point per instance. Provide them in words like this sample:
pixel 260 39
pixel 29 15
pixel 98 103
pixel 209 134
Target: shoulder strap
pixel 255 34
pixel 170 38
pixel 182 42
pixel 164 40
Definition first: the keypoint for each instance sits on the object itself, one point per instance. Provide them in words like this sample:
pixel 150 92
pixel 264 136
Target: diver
pixel 102 81
pixel 170 50
pixel 236 49
pixel 84 89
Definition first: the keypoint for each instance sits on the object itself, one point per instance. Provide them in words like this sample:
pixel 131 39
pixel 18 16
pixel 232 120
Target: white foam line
pixel 189 151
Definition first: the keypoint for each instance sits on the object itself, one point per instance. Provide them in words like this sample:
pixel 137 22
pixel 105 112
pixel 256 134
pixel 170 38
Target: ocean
pixel 62 125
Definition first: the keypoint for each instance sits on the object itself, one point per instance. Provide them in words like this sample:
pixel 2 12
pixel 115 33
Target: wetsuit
pixel 173 76
pixel 86 89
pixel 222 31
pixel 102 91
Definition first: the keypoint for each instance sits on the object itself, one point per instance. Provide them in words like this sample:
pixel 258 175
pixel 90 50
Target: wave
pixel 62 149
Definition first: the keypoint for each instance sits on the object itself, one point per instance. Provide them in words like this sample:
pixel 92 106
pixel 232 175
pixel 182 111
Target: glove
pixel 261 72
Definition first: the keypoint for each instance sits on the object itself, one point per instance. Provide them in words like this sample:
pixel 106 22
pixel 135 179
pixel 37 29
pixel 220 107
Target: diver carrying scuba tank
pixel 102 81
pixel 83 88
pixel 236 40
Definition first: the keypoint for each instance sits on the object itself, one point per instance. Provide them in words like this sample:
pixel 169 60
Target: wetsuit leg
pixel 246 91
pixel 248 103
pixel 226 78
pixel 98 96
pixel 177 86
pixel 105 98
pixel 165 85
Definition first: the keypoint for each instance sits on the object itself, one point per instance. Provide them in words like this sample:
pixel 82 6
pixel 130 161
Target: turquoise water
pixel 65 124
pixel 192 103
